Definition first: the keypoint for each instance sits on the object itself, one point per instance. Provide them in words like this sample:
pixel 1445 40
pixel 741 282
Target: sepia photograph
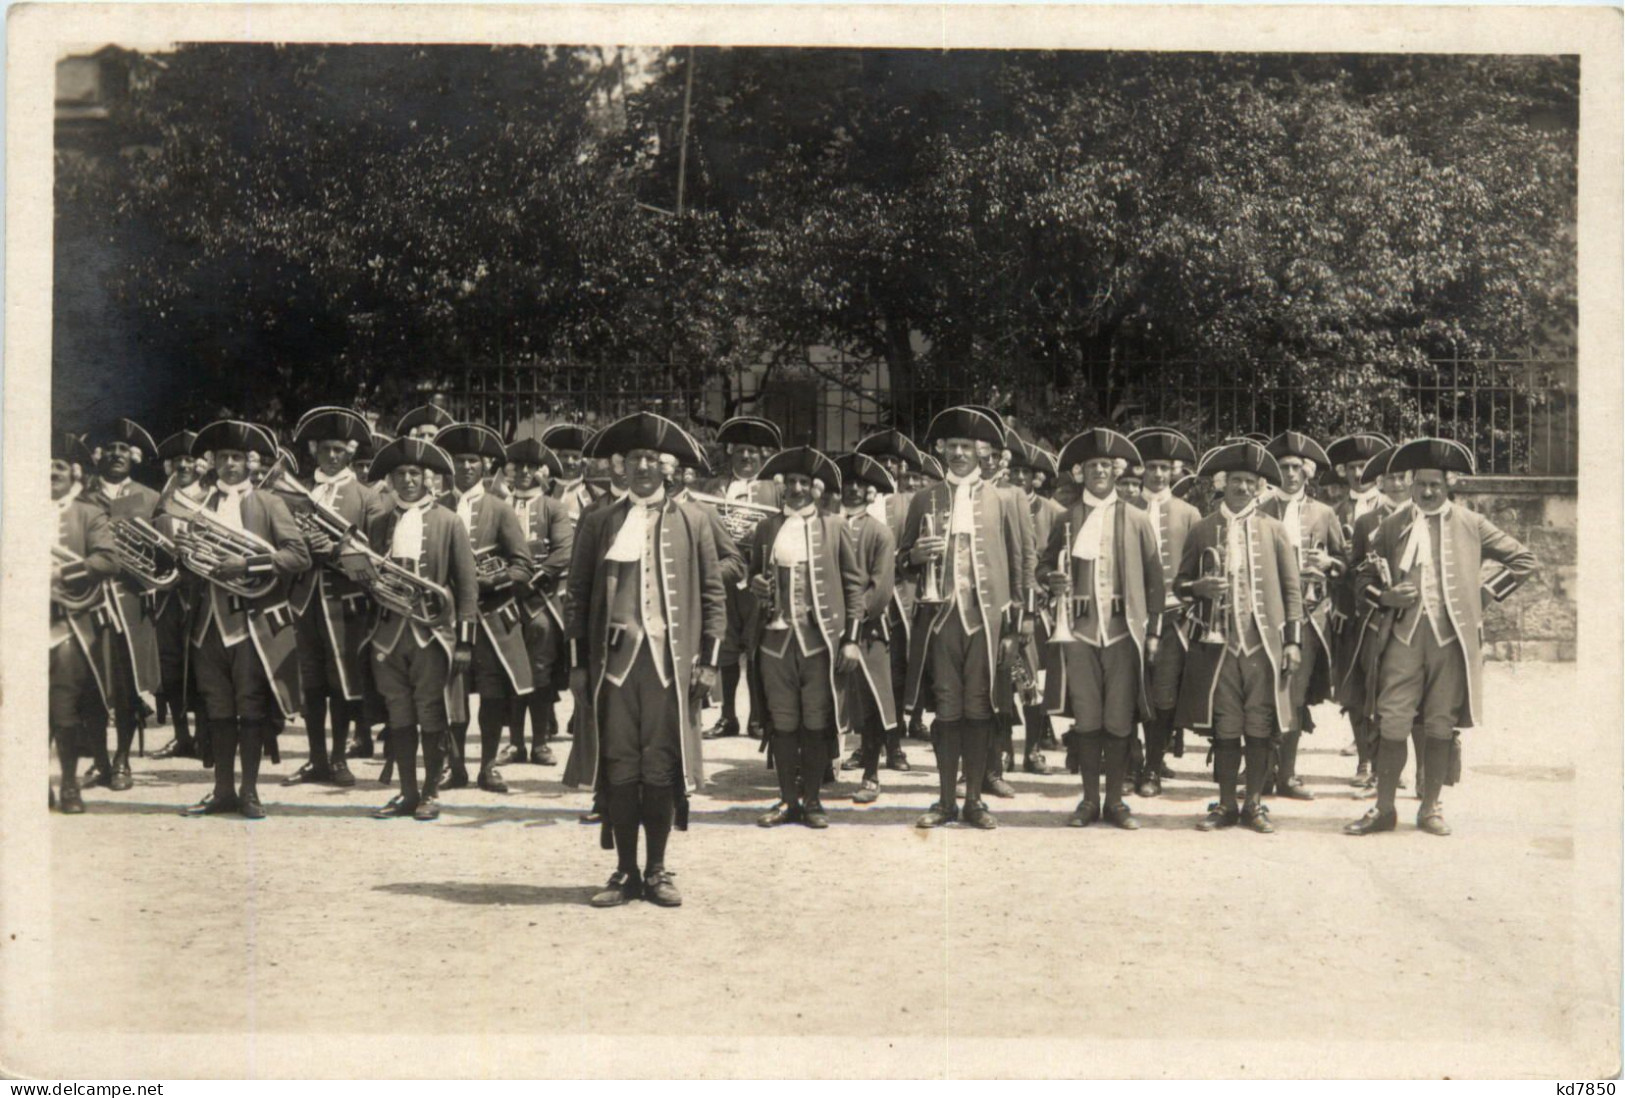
pixel 817 543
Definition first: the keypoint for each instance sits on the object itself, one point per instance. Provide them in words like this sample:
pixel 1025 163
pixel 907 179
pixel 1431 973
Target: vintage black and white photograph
pixel 642 555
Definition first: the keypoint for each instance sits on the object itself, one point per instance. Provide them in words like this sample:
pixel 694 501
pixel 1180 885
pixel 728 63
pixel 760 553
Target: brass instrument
pixel 775 575
pixel 739 516
pixel 932 592
pixel 490 565
pixel 146 553
pixel 205 542
pixel 1213 620
pixel 1062 633
pixel 79 594
pixel 1313 579
pixel 1022 677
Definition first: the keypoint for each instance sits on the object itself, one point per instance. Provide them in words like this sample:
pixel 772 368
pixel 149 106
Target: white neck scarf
pixel 1365 501
pixel 1420 545
pixel 737 489
pixel 1235 533
pixel 527 494
pixel 877 507
pixel 1238 516
pixel 1086 546
pixel 343 476
pixel 790 547
pixel 962 520
pixel 465 505
pixel 1292 517
pixel 327 487
pixel 407 542
pixel 629 540
pixel 114 489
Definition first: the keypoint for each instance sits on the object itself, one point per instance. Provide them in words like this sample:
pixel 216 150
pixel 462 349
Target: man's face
pixel 854 494
pixel 1021 477
pixel 798 490
pixel 1128 490
pixel 1293 475
pixel 187 471
pixel 644 472
pixel 960 455
pixel 670 471
pixel 1158 475
pixel 1429 489
pixel 991 460
pixel 408 482
pixel 747 460
pixel 1351 473
pixel 915 482
pixel 117 459
pixel 526 475
pixel 61 478
pixel 231 466
pixel 1240 488
pixel 893 465
pixel 1392 485
pixel 570 460
pixel 690 475
pixel 467 469
pixel 424 431
pixel 332 456
pixel 1098 476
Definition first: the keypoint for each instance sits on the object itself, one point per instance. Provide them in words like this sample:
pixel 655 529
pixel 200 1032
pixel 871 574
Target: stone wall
pixel 1538 621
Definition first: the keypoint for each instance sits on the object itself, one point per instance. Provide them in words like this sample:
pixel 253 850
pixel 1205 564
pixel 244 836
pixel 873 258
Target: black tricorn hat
pixel 995 417
pixel 1361 447
pixel 1027 455
pixel 931 467
pixel 965 422
pixel 1098 442
pixel 1255 436
pixel 471 438
pixel 1442 454
pixel 1245 456
pixel 750 431
pixel 862 467
pixel 1162 444
pixel 69 447
pixel 235 434
pixel 644 431
pixel 334 425
pixel 127 431
pixel 890 443
pixel 804 460
pixel 424 415
pixel 409 451
pixel 532 451
pixel 1186 484
pixel 1376 465
pixel 177 445
pixel 1296 444
pixel 1046 462
pixel 567 436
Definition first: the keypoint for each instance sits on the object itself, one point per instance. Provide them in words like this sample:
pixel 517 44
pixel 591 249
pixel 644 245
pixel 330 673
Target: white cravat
pixel 1236 534
pixel 1420 545
pixel 852 517
pixel 407 543
pixel 1292 517
pixel 465 505
pixel 877 507
pixel 115 490
pixel 327 487
pixel 230 510
pixel 1365 501
pixel 1086 546
pixel 790 547
pixel 737 489
pixel 629 540
pixel 962 520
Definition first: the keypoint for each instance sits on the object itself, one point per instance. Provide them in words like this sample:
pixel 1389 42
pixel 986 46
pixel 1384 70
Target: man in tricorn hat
pixel 424 422
pixel 244 646
pixel 177 690
pixel 1429 666
pixel 903 462
pixel 1027 464
pixel 1322 554
pixel 546 526
pixel 1241 566
pixel 804 566
pixel 977 536
pixel 567 441
pixel 1111 594
pixel 646 617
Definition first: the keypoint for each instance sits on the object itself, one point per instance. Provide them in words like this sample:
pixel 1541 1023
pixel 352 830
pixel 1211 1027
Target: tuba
pixel 1062 633
pixel 205 542
pixel 146 553
pixel 78 594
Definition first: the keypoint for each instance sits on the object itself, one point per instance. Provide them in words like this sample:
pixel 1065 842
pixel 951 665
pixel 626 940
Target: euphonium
pixel 739 516
pixel 76 595
pixel 933 568
pixel 1062 633
pixel 205 543
pixel 145 553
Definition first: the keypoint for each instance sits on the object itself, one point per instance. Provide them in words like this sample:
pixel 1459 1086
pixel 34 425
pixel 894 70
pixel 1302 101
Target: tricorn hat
pixel 1185 486
pixel 235 434
pixel 1360 447
pixel 890 443
pixel 1162 444
pixel 409 451
pixel 471 438
pixel 862 467
pixel 1296 444
pixel 1098 442
pixel 804 460
pixel 531 451
pixel 750 431
pixel 931 467
pixel 1376 465
pixel 1245 456
pixel 69 447
pixel 567 436
pixel 1028 455
pixel 334 425
pixel 177 445
pixel 965 422
pixel 994 416
pixel 424 415
pixel 127 431
pixel 644 431
pixel 1442 454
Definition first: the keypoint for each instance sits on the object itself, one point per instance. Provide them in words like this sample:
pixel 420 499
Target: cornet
pixel 933 568
pixel 777 622
pixel 1314 579
pixel 1213 620
pixel 206 542
pixel 1062 633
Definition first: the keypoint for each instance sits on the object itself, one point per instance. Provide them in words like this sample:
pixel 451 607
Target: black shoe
pixel 896 760
pixel 1363 776
pixel 360 746
pixel 936 816
pixel 622 888
pixel 98 775
pixel 1165 772
pixel 491 780
pixel 727 726
pixel 658 888
pixel 1372 822
pixel 815 817
pixel 916 730
pixel 251 808
pixel 1085 814
pixel 869 793
pixel 1048 741
pixel 457 779
pixel 977 816
pixel 69 802
pixel 998 787
pixel 1431 820
pixel 1007 762
pixel 1295 790
pixel 1150 784
pixel 509 756
pixel 428 808
pixel 341 774
pixel 1034 764
pixel 781 813
pixel 177 749
pixel 397 807
pixel 756 730
pixel 542 755
pixel 213 806
pixel 1119 815
pixel 122 779
pixel 853 761
pixel 1218 817
pixel 1257 817
pixel 309 774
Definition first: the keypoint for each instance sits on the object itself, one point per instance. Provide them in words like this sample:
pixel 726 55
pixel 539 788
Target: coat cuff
pixel 260 563
pixel 578 654
pixel 1012 617
pixel 854 631
pixel 1502 584
pixel 1182 588
pixel 465 632
pixel 75 571
pixel 1153 627
pixel 1371 595
pixel 1292 633
pixel 710 651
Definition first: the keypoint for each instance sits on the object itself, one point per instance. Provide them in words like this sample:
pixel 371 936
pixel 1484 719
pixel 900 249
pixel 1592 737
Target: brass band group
pixel 975 576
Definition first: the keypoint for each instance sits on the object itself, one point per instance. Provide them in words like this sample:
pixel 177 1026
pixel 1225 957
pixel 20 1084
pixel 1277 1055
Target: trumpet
pixel 1314 579
pixel 775 575
pixel 78 594
pixel 739 516
pixel 933 568
pixel 145 553
pixel 205 542
pixel 1214 620
pixel 1062 633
